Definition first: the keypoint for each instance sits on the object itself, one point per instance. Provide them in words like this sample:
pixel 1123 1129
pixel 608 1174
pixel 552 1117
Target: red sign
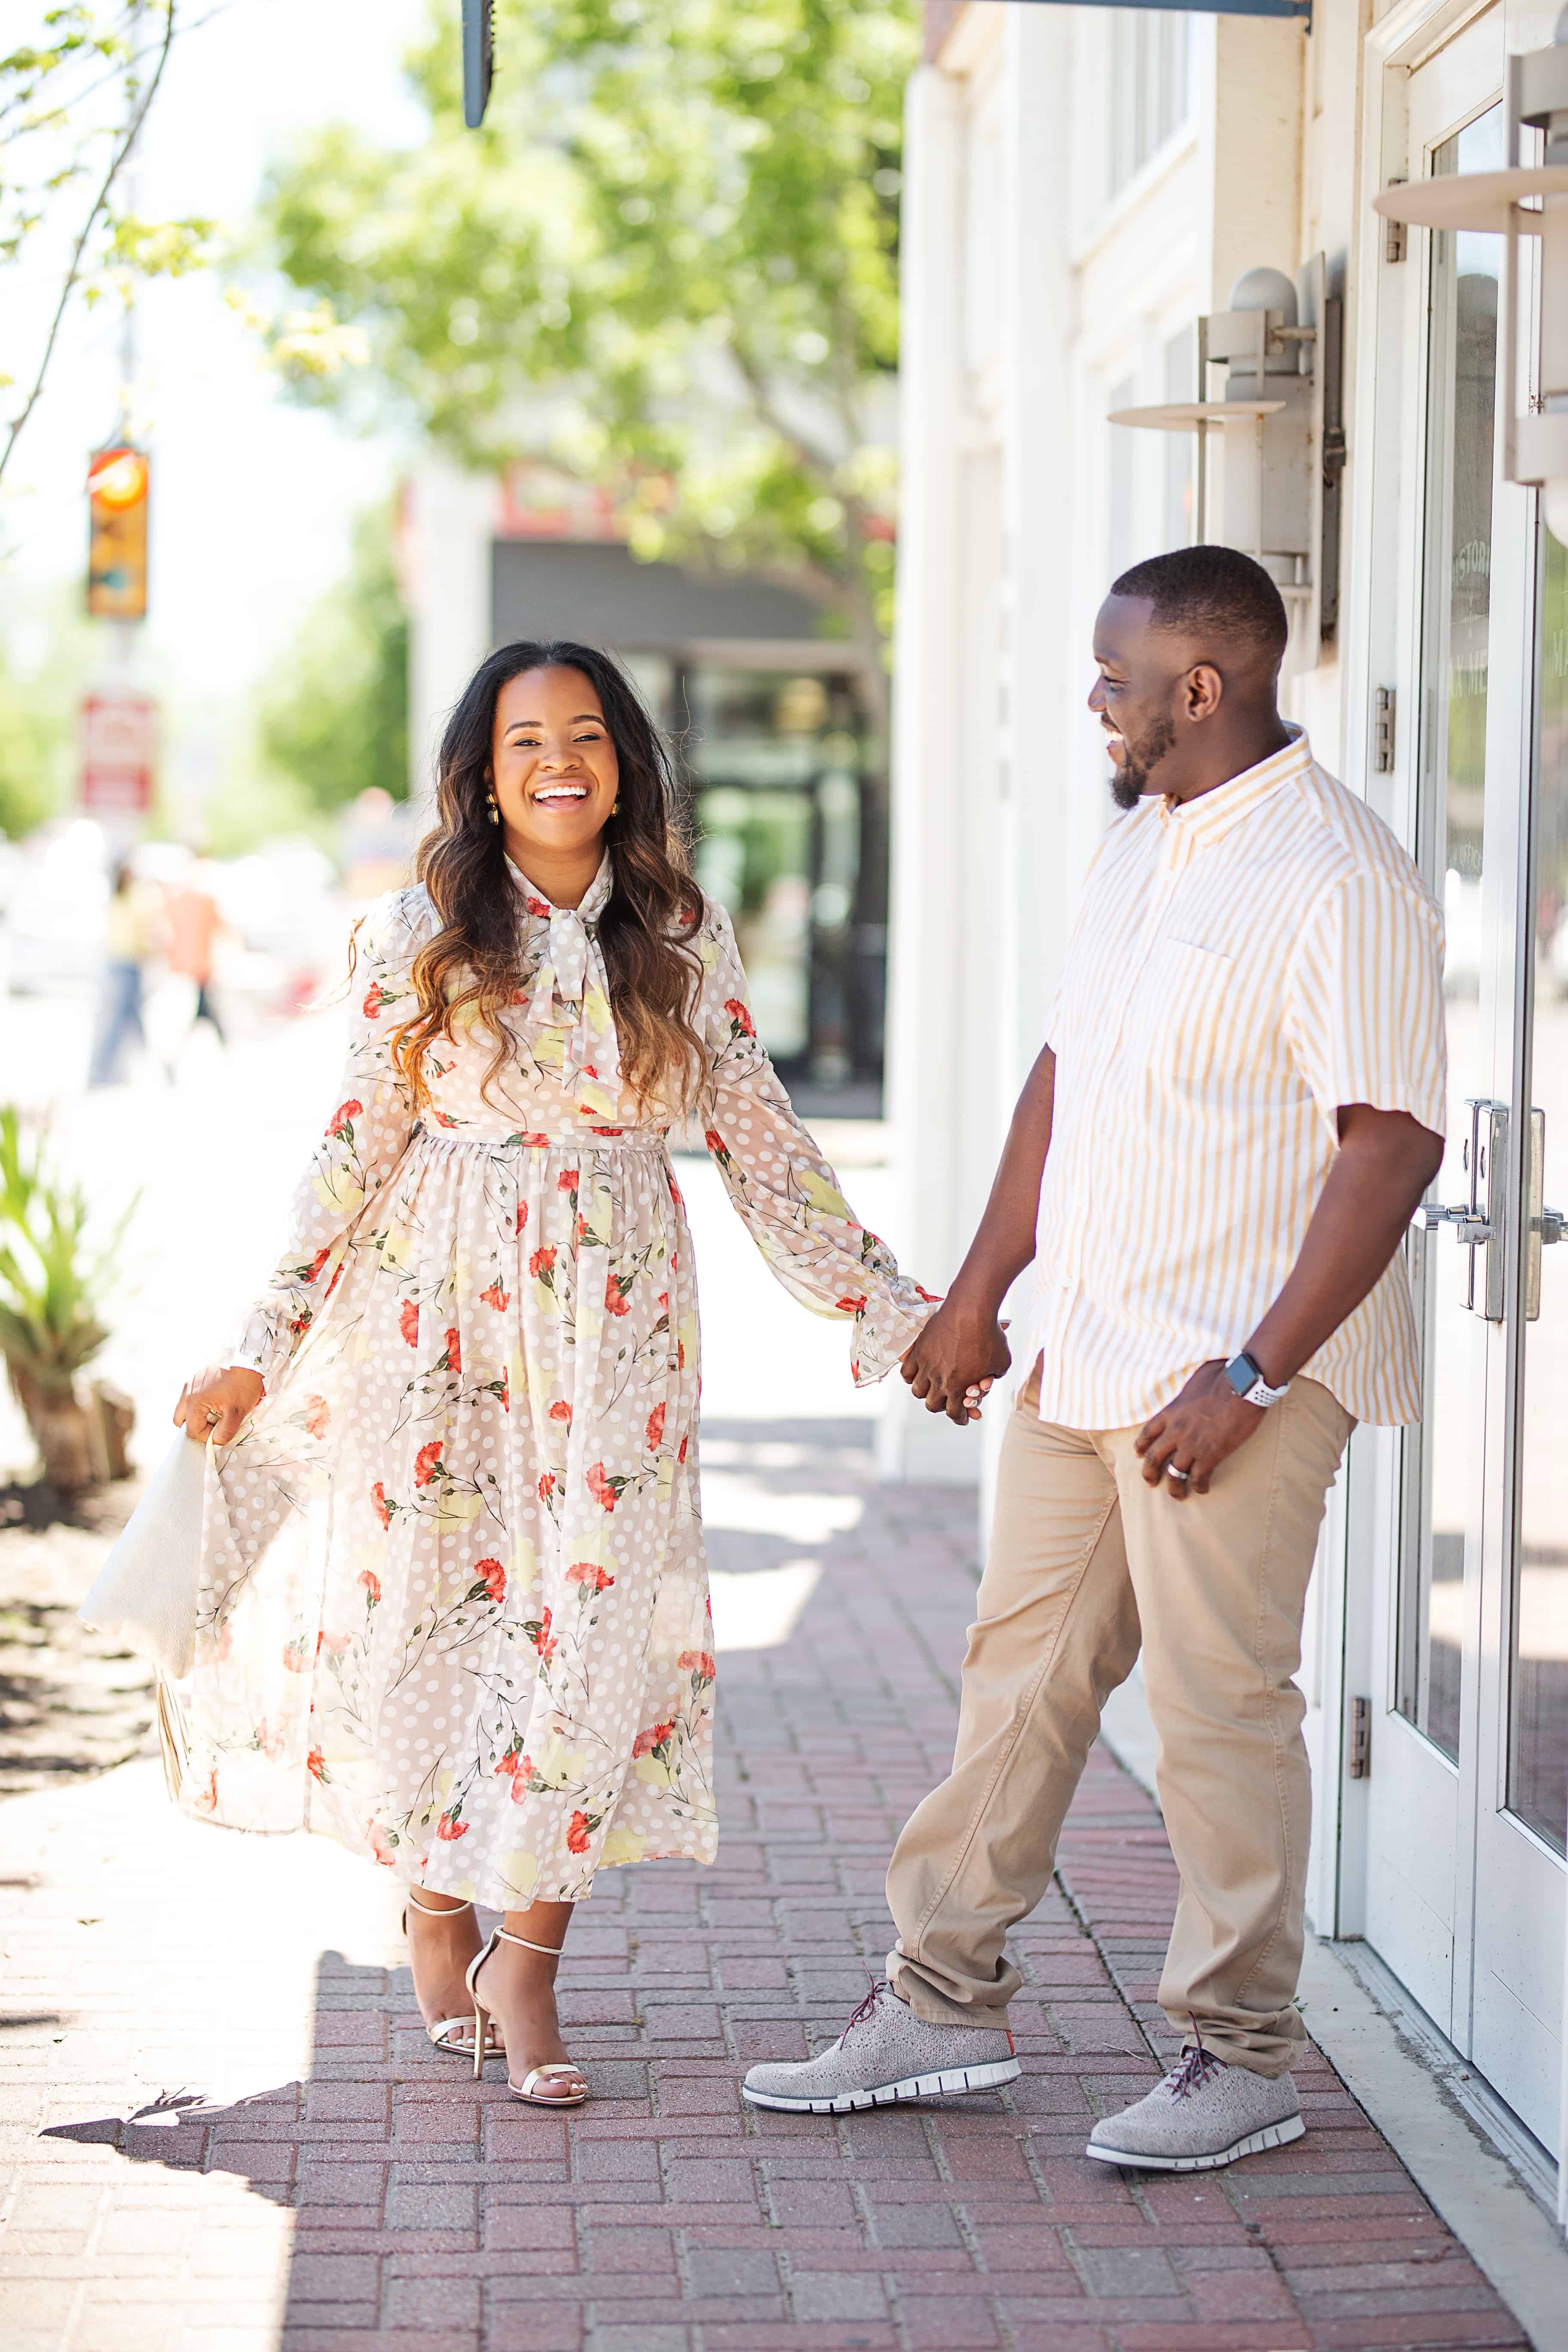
pixel 119 752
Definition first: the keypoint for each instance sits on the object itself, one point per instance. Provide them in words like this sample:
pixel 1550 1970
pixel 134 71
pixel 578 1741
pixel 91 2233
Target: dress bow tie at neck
pixel 572 988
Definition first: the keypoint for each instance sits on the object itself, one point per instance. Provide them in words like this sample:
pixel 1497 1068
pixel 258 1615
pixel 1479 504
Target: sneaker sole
pixel 1272 2136
pixel 884 2095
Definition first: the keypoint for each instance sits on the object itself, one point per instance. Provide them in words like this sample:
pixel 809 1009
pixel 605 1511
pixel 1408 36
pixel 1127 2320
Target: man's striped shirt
pixel 1243 965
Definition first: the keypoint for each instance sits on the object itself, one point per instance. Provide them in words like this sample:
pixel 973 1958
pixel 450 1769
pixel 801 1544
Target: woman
pixel 454 1606
pixel 129 939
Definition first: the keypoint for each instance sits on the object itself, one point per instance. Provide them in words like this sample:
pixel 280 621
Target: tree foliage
pixel 667 261
pixel 73 98
pixel 334 715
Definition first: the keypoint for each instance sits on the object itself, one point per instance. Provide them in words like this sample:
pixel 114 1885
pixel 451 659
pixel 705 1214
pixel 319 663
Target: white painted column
pixel 928 998
pixel 448 528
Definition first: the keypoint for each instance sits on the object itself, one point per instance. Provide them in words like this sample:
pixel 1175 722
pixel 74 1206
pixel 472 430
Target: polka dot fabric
pixel 454 1604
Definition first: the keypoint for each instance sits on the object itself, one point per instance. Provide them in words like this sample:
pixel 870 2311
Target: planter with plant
pixel 56 1276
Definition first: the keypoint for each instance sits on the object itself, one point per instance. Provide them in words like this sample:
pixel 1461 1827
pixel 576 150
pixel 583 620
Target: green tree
pixel 75 88
pixel 668 261
pixel 334 715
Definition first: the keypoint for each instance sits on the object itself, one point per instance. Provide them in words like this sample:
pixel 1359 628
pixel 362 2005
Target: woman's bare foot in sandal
pixel 515 1985
pixel 443 1936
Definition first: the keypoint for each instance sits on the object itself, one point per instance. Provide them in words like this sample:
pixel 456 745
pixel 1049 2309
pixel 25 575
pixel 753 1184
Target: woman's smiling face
pixel 554 770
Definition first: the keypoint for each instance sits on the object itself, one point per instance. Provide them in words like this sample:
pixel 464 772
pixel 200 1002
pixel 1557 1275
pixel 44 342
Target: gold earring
pixel 494 807
pixel 614 808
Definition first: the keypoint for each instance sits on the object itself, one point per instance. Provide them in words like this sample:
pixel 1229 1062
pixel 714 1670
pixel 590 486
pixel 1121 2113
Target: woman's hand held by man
pixel 216 1403
pixel 959 1354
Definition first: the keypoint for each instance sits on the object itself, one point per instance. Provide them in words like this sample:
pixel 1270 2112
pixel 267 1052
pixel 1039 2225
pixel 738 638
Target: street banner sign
pixel 117 485
pixel 119 744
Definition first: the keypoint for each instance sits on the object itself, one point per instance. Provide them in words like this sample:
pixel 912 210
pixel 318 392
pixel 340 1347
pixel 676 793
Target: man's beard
pixel 1130 777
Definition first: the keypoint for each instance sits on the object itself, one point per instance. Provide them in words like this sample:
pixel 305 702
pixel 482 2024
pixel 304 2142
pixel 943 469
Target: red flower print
pixel 567 1179
pixel 698 1663
pixel 540 907
pixel 577 1832
pixel 740 1017
pixel 654 1434
pixel 653 1737
pixel 382 1507
pixel 445 1118
pixel 372 1583
pixel 408 1322
pixel 713 1139
pixel 295 1654
pixel 561 1410
pixel 586 1571
pixel 340 1123
pixel 547 1486
pixel 604 1490
pixel 618 1290
pixel 521 1216
pixel 589 1071
pixel 380 1844
pixel 541 1637
pixel 449 1826
pixel 609 1131
pixel 540 1265
pixel 522 1773
pixel 317 1263
pixel 372 1004
pixel 337 1277
pixel 681 1455
pixel 427 1462
pixel 664 1300
pixel 454 1354
pixel 317 1416
pixel 676 1194
pixel 496 1297
pixel 492 1576
pixel 931 1298
pixel 850 1305
pixel 505 1388
pixel 316 1764
pixel 207 1799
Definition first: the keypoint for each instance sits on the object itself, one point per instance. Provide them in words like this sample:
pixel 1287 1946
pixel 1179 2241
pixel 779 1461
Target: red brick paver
pixel 363 2196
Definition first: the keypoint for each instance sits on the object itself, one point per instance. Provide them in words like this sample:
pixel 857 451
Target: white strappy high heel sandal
pixel 443 2033
pixel 523 2090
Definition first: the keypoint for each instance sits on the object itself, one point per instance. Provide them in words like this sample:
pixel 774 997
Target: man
pixel 1211 1164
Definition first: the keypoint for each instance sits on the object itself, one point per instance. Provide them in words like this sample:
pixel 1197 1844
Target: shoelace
pixel 1192 2072
pixel 867 2007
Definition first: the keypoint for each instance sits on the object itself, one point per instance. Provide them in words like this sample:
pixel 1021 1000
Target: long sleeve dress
pixel 454 1605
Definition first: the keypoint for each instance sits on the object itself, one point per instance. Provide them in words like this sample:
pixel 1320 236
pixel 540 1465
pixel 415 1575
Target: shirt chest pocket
pixel 1195 1019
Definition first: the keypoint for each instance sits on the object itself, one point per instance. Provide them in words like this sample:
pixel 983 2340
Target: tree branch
pixel 73 272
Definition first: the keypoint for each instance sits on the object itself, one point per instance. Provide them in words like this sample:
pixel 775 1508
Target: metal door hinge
pixel 1394 231
pixel 1360 1762
pixel 1383 732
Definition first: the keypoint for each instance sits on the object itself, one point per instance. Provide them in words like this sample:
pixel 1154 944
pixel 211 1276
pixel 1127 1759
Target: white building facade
pixel 1082 185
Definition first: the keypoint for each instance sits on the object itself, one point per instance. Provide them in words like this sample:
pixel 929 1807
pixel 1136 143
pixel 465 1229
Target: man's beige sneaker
pixel 885 2054
pixel 1205 2113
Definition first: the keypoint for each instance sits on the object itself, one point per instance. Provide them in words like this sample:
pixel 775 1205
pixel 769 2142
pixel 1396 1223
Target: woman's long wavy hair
pixel 469 971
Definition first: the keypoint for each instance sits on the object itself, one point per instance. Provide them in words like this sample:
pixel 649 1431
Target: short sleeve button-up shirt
pixel 1243 964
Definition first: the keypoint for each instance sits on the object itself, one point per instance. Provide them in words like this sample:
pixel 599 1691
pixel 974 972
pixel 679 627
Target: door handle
pixel 1542 1226
pixel 1478 1223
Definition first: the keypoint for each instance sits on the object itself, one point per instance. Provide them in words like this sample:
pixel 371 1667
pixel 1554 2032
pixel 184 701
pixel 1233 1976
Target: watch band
pixel 1249 1383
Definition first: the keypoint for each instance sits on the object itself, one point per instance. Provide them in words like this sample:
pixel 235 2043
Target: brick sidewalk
pixel 357 2194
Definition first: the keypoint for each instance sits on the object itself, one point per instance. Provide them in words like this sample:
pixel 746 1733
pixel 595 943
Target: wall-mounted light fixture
pixel 1271 485
pixel 1535 436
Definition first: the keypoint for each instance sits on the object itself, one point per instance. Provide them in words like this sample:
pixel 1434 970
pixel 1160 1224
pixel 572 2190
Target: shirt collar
pixel 1211 816
pixel 589 908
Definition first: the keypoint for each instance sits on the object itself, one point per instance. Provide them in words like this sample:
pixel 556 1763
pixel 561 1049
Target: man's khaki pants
pixel 1088 1564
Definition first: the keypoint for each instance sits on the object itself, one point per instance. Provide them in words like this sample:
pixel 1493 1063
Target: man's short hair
pixel 1215 592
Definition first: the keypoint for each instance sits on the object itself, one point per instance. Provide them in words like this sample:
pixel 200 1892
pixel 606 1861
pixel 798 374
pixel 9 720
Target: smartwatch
pixel 1249 1383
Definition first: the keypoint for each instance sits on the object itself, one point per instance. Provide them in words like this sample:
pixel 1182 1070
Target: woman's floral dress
pixel 454 1606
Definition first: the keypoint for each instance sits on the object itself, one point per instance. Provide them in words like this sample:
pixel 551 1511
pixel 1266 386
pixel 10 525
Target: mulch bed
pixel 72 1703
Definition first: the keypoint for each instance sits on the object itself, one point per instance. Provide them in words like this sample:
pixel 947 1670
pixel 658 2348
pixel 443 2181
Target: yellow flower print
pixel 336 1189
pixel 558 1766
pixel 822 1195
pixel 654 1772
pixel 623 1845
pixel 518 1872
pixel 454 1510
pixel 596 1007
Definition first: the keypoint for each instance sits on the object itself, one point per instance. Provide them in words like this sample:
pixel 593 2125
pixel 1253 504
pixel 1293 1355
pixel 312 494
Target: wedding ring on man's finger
pixel 1171 1472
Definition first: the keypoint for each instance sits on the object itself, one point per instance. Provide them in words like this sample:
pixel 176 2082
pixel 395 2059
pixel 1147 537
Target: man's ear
pixel 1202 690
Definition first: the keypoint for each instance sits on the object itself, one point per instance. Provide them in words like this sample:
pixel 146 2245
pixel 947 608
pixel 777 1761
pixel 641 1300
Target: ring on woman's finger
pixel 1171 1472
pixel 213 1417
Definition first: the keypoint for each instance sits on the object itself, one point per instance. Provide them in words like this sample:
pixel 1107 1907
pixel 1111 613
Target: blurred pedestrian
pixel 196 925
pixel 131 938
pixel 454 1610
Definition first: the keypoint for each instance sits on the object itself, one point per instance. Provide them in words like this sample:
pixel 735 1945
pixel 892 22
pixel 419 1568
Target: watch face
pixel 1242 1373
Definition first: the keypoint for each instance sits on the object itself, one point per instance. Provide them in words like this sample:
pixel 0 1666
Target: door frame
pixel 1382 646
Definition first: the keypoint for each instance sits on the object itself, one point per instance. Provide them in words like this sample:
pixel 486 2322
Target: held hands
pixel 1205 1422
pixel 215 1403
pixel 958 1354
